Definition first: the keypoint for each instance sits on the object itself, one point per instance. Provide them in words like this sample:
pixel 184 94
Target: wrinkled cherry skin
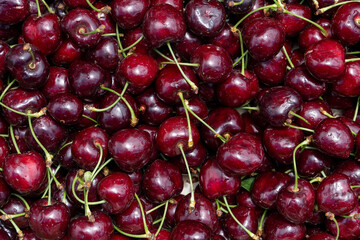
pixel 215 63
pixel 263 37
pixel 246 216
pixel 82 228
pixel 117 189
pixel 105 54
pixel 84 149
pixel 65 108
pixel 311 112
pixel 311 162
pixel 49 221
pixel 158 173
pixel 352 170
pixel 205 18
pixel 335 195
pixel 277 227
pixel 204 211
pixel 66 53
pixel 24 172
pixel 334 138
pixel 129 13
pixel 57 82
pixel 325 60
pixel 214 182
pixel 130 148
pixel 266 188
pixel 225 121
pixel 191 230
pixel 281 142
pixel 174 131
pixel 159 28
pixel 276 103
pixel 348 84
pixel 345 24
pixel 13 11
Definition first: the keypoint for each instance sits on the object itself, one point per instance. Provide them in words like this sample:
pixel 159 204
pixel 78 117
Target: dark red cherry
pixel 4 150
pixel 277 104
pixel 335 195
pixel 4 192
pixel 196 105
pixel 345 24
pixel 13 11
pixel 243 7
pixel 277 227
pixel 132 36
pixel 117 190
pixel 85 122
pixel 266 188
pixel 334 138
pixel 130 148
pixel 80 21
pixel 204 211
pixel 337 101
pixel 263 37
pixel 159 28
pixel 353 126
pixel 19 134
pixel 311 162
pixel 15 206
pixel 348 83
pixel 297 57
pixel 4 235
pixel 101 228
pixel 194 157
pixel 152 131
pixel 24 172
pixel 243 198
pixel 352 170
pixel 85 147
pixel 4 48
pixel 105 54
pixel 77 3
pixel 321 236
pixel 104 17
pixel 65 108
pixel 325 60
pixel 174 132
pixel 312 112
pixel 257 4
pixel 175 3
pixel 313 34
pixel 67 53
pixel 281 142
pixel 30 74
pixel 162 180
pixel 205 18
pixel 57 82
pixel 246 216
pixel 191 230
pixel 49 221
pixel 187 45
pixel 228 40
pixel 129 14
pixel 306 85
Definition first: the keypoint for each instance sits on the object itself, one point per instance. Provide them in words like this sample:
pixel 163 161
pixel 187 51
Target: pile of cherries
pixel 179 120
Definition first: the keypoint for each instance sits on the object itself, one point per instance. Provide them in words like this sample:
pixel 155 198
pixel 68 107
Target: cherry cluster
pixel 179 120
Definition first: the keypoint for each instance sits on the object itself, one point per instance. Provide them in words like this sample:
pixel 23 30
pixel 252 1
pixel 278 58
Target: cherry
pixel 158 173
pixel 117 190
pixel 24 172
pixel 88 145
pixel 297 57
pixel 335 195
pixel 49 221
pixel 311 162
pixel 128 13
pixel 152 131
pixel 281 142
pixel 321 236
pixel 228 40
pixel 243 198
pixel 4 48
pixel 65 108
pixel 353 126
pixel 88 122
pixel 57 82
pixel 194 158
pixel 105 54
pixel 19 134
pixel 337 101
pixel 4 151
pixel 191 230
pixel 130 148
pixel 313 113
pixel 4 235
pixel 175 3
pixel 159 28
pixel 266 188
pixel 104 17
pixel 325 60
pixel 26 63
pixel 198 107
pixel 293 25
pixel 352 170
pixel 15 206
pixel 334 138
pixel 131 36
pixel 239 7
pixel 4 192
pixel 276 227
pixel 77 3
pixel 313 34
pixel 204 211
pixel 263 37
pixel 13 11
pixel 347 85
pixel 101 227
pixel 188 44
pixel 66 53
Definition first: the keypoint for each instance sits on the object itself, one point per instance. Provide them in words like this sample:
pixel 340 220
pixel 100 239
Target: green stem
pixel 47 6
pixel 242 52
pixel 98 30
pixel 162 219
pixel 355 186
pixel 337 228
pixel 192 197
pixel 324 9
pixel 273 6
pixel 353 53
pixel 300 128
pixel 56 170
pixel 63 146
pixel 38 114
pixel 22 199
pixel 98 145
pixel 323 31
pixel 352 60
pixel 356 109
pixel 49 186
pixel 132 45
pixel 304 143
pixel 112 35
pixel 128 234
pixel 287 57
pixel 80 200
pixel 38 8
pixel 118 40
pixel 92 6
pixel 298 116
pixel 17 229
pixel 4 135
pixel 163 55
pixel 323 174
pixel 91 119
pixel 250 108
pixel 14 140
pixel 190 140
pixel 261 224
pixel 182 64
pixel 147 232
pixel 317 179
pixel 6 89
pixel 102 166
pixel 240 58
pixel 154 208
pixel 223 204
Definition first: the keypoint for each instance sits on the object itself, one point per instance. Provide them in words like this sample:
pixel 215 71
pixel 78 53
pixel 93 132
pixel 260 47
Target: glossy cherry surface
pixel 129 14
pixel 276 227
pixel 191 230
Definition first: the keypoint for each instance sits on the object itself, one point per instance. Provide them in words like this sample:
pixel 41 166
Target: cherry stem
pixel 102 166
pixel 27 47
pixel 94 109
pixel 344 216
pixel 154 208
pixel 273 6
pixel 261 224
pixel 119 42
pixel 38 8
pixel 22 199
pixel 92 6
pixel 91 119
pixel 86 205
pixel 355 186
pixel 298 116
pixel 4 135
pixel 317 179
pixel 252 235
pixel 6 89
pixel 242 52
pixel 147 232
pixel 240 58
pixel 163 55
pixel 223 204
pixel 100 29
pixel 297 127
pixel 49 186
pixel 356 109
pixel 17 229
pixel 98 145
pixel 353 53
pixel 323 31
pixel 56 170
pixel 323 174
pixel 250 108
pixel 128 234
pixel 190 140
pixel 287 57
pixel 63 146
pixel 37 114
pixel 77 197
pixel 182 64
pixel 47 6
pixel 232 3
pixel 162 219
pixel 192 197
pixel 132 45
pixel 112 35
pixel 324 9
pixel 14 140
pixel 323 112
pixel 352 60
pixel 307 141
pixel 192 85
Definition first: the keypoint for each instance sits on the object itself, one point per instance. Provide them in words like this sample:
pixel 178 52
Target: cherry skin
pixel 276 227
pixel 311 111
pixel 85 147
pixel 322 236
pixel 15 206
pixel 66 53
pixel 19 133
pixel 243 8
pixel 243 198
pixel 311 162
pixel 334 138
pixel 4 150
pixel 188 44
pixel 4 235
pixel 158 173
pixel 130 148
pixel 228 40
pixel 313 34
pixel 65 108
pixel 352 170
pixel 204 211
pixel 128 13
pixel 101 228
pixel 196 105
pixel 13 11
pixel 105 54
pixel 4 192
pixel 335 195
pixel 4 48
pixel 24 172
pixel 49 221
pixel 194 157
pixel 152 131
pixel 104 17
pixel 159 28
pixel 77 3
pixel 325 60
pixel 246 216
pixel 191 230
pixel 263 37
pixel 118 191
pixel 132 36
pixel 57 82
pixel 348 85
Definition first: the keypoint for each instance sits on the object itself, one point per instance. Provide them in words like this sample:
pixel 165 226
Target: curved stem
pixel 112 35
pixel 92 6
pixel 22 199
pixel 17 229
pixel 63 146
pixel 100 29
pixel 102 166
pixel 47 6
pixel 190 140
pixel 91 119
pixel 274 6
pixel 147 232
pixel 304 143
pixel 128 234
pixel 287 57
pixel 242 52
pixel 261 224
pixel 38 114
pixel 163 55
pixel 182 64
pixel 323 31
pixel 118 40
pixel 6 89
pixel 356 109
pixel 154 208
pixel 82 201
pixel 337 228
pixel 132 45
pixel 324 9
pixel 14 140
pixel 162 219
pixel 94 109
pixel 192 197
pixel 298 116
